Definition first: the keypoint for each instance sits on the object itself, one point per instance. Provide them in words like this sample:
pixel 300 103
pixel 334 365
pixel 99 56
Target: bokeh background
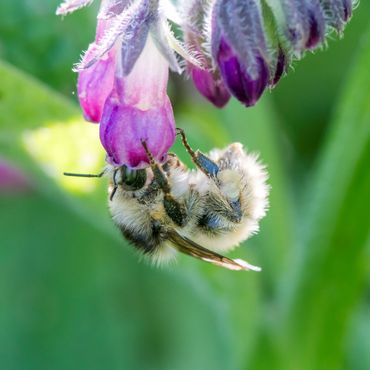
pixel 73 294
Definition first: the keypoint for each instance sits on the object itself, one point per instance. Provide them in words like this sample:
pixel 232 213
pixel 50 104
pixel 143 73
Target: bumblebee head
pixel 129 179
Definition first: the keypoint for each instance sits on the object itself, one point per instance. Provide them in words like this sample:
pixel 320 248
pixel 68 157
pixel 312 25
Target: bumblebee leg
pixel 204 163
pixel 174 209
pixel 228 206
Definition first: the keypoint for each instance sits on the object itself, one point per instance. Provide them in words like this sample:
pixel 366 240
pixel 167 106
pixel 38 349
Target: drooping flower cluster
pixel 123 78
pixel 229 47
pixel 249 44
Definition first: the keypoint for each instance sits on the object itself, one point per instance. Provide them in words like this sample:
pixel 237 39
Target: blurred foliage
pixel 71 297
pixel 35 40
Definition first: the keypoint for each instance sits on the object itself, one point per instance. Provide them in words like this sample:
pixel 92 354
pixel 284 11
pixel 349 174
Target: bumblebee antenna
pixel 83 174
pixel 115 185
pixel 90 175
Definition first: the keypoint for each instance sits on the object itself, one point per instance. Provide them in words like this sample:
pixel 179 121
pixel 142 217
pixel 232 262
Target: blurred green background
pixel 74 296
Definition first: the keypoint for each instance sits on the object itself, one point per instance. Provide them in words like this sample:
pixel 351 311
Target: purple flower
pixel 128 24
pixel 137 110
pixel 210 85
pixel 231 47
pixel 96 82
pixel 243 85
pixel 315 26
pixel 303 24
pixel 239 48
pixel 207 78
pixel 123 79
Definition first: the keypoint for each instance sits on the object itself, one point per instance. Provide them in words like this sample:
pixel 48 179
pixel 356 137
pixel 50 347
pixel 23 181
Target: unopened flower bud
pixel 210 86
pixel 245 86
pixel 301 21
pixel 337 12
pixel 239 48
pixel 315 24
pixel 206 78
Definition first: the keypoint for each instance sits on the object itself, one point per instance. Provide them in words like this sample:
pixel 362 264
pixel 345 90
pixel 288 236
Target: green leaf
pixel 35 40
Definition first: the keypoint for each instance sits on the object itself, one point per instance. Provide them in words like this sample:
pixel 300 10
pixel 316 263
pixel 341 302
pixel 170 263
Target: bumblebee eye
pixel 132 179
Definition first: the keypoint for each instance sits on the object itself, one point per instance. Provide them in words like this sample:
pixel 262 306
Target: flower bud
pixel 139 110
pixel 303 23
pixel 239 48
pixel 210 86
pixel 242 84
pixel 207 80
pixel 315 24
pixel 337 12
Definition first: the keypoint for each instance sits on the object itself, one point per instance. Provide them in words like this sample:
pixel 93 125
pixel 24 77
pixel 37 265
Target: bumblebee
pixel 167 208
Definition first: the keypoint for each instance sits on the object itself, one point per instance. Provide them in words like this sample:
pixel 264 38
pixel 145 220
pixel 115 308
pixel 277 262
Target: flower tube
pixel 138 110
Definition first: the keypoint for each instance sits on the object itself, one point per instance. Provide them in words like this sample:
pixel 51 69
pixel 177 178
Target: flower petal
pixel 124 127
pixel 137 110
pixel 95 85
pixel 132 46
pixel 210 86
pixel 158 32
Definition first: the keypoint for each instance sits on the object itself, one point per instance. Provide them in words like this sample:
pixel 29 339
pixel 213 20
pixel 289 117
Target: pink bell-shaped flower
pixel 138 110
pixel 96 82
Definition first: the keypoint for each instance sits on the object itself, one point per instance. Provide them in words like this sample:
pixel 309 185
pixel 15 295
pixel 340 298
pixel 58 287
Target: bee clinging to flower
pixel 230 48
pixel 166 208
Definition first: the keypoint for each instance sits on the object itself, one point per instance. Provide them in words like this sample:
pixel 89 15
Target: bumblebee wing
pixel 187 246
